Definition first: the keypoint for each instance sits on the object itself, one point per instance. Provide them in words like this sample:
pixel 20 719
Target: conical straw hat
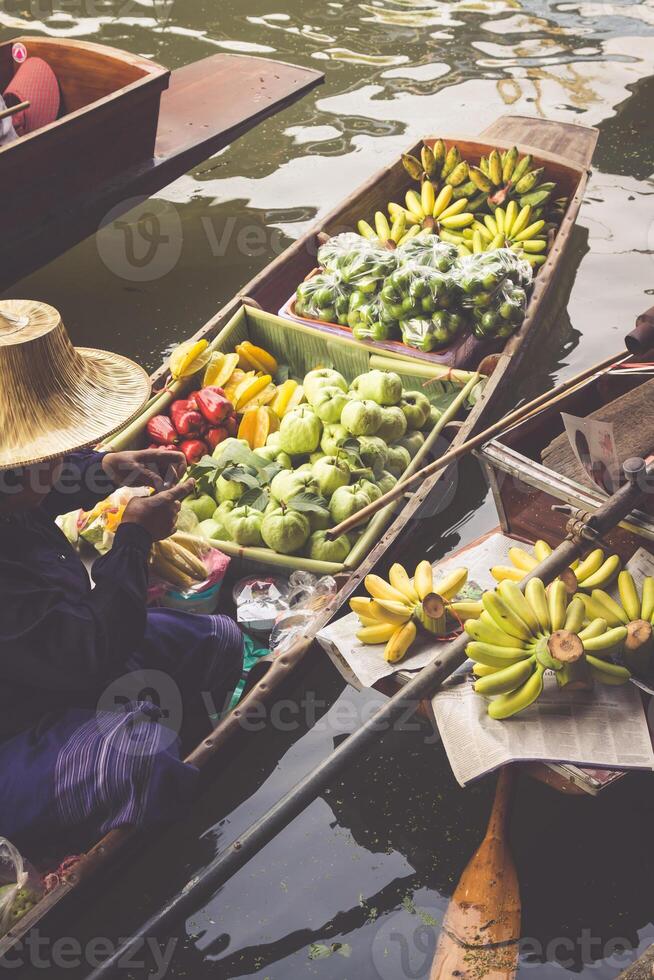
pixel 55 398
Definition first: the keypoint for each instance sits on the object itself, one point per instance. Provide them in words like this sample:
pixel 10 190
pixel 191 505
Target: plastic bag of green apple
pixel 20 886
pixel 427 250
pixel 483 275
pixel 367 320
pixel 324 297
pixel 503 316
pixel 362 264
pixel 307 595
pixel 434 332
pixel 418 291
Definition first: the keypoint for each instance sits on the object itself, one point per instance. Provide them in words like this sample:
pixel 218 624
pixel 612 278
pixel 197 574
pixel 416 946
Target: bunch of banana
pixel 511 228
pixel 396 608
pixel 431 211
pixel 443 166
pixel 593 572
pixel 390 233
pixel 520 635
pixel 501 176
pixel 629 618
pixel 178 560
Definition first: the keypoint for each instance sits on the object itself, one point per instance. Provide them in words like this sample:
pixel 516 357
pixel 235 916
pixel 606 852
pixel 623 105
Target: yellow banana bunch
pixel 189 358
pixel 442 166
pixel 431 210
pixel 593 572
pixel 519 635
pixel 630 619
pixel 389 233
pixel 394 608
pixel 511 228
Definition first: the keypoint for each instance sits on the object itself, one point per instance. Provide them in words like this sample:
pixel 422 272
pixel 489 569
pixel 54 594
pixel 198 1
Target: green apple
pixel 372 489
pixel 416 408
pixel 329 402
pixel 222 511
pixel 213 530
pixel 398 460
pixel 300 431
pixel 331 472
pixel 273 454
pixel 227 444
pixel 314 457
pixel 317 379
pixel 347 501
pixel 373 452
pixel 332 437
pixel 202 506
pixel 244 526
pixel 320 549
pixel 393 424
pixel 286 484
pixel 383 387
pixel 228 490
pixel 304 467
pixel 386 482
pixel 362 417
pixel 434 417
pixel 412 442
pixel 285 531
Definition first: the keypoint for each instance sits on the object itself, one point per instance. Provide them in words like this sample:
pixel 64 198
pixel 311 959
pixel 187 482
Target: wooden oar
pixel 475 442
pixel 481 929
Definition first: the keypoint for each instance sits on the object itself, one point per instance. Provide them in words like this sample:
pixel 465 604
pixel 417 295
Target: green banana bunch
pixel 442 166
pixel 390 234
pixel 519 635
pixel 501 176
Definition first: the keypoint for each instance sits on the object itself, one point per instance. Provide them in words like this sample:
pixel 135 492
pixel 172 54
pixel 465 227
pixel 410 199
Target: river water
pixel 357 886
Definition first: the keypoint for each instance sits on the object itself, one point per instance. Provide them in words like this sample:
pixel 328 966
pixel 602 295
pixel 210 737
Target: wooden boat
pixel 127 127
pixel 558 142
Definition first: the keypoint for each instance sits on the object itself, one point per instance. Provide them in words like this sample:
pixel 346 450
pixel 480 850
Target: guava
pixel 202 507
pixel 393 425
pixel 383 387
pixel 286 484
pixel 362 418
pixel 332 437
pixel 319 378
pixel 347 501
pixel 331 472
pixel 398 460
pixel 412 442
pixel 221 512
pixel 373 452
pixel 320 549
pixel 416 408
pixel 273 454
pixel 329 402
pixel 273 439
pixel 319 520
pixel 372 489
pixel 314 457
pixel 227 444
pixel 244 526
pixel 285 531
pixel 386 482
pixel 213 530
pixel 434 417
pixel 187 521
pixel 228 490
pixel 300 431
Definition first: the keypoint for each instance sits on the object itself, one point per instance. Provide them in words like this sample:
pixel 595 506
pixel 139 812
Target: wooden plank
pixel 208 105
pixel 569 140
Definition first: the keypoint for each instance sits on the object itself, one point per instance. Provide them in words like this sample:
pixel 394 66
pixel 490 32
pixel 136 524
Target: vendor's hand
pixel 156 468
pixel 158 514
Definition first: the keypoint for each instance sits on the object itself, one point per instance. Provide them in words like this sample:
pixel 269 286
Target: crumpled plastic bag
pixel 20 886
pixel 307 595
pixel 495 291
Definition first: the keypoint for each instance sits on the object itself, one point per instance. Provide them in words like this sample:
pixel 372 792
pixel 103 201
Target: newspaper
pixel 605 728
pixel 363 666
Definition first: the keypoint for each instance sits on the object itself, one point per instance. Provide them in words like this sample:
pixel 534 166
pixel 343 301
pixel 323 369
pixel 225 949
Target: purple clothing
pixel 74 661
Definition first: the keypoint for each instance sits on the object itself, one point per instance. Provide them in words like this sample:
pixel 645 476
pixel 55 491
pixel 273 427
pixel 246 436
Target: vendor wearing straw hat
pixel 80 753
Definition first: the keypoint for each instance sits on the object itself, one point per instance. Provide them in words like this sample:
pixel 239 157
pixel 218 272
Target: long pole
pixel 242 850
pixel 466 447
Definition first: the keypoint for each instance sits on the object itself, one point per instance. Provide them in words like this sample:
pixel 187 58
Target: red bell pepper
pixel 186 419
pixel 215 436
pixel 194 450
pixel 213 404
pixel 161 430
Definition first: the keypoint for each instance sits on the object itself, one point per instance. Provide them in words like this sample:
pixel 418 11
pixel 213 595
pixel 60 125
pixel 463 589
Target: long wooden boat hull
pixel 272 287
pixel 129 127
